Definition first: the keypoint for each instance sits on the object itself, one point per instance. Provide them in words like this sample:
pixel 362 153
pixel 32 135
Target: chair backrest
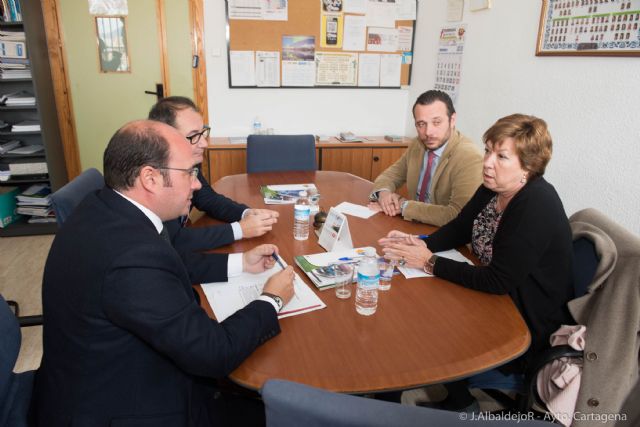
pixel 289 404
pixel 15 389
pixel 271 153
pixel 69 196
pixel 585 263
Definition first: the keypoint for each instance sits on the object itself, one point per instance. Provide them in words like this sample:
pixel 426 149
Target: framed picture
pixel 112 44
pixel 589 28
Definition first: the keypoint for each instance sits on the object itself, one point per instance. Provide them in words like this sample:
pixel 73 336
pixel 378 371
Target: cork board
pixel 246 38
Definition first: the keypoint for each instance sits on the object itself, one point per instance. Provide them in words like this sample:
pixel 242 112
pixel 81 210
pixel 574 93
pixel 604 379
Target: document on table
pixel 412 273
pixel 355 210
pixel 225 298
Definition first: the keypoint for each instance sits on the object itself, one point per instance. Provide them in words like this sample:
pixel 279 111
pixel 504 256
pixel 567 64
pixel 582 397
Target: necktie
pixel 427 177
pixel 165 235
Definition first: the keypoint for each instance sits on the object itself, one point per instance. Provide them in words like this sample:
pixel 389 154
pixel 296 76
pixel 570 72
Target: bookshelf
pixel 44 111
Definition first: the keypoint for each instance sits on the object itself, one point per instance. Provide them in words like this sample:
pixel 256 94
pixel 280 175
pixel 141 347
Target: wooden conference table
pixel 425 330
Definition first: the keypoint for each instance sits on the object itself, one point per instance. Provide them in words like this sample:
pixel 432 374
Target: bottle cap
pixel 303 193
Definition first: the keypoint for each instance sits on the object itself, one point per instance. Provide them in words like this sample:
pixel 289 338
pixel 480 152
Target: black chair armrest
pixel 540 361
pixel 25 321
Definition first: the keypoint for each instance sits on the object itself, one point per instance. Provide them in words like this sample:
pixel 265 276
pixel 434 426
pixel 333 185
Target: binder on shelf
pixel 26 126
pixel 13 49
pixel 8 212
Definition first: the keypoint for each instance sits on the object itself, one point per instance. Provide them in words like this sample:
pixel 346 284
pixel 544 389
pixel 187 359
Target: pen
pixel 275 256
pixel 346 258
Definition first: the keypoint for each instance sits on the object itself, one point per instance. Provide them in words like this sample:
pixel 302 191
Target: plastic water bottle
pixel 257 126
pixel 368 281
pixel 301 211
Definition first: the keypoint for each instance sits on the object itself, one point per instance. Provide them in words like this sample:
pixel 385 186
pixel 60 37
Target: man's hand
pixel 257 222
pixel 390 202
pixel 281 284
pixel 259 259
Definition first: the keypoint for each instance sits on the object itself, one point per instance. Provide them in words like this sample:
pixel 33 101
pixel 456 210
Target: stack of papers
pixel 18 98
pixel 285 194
pixel 225 298
pixel 26 126
pixel 27 149
pixel 315 265
pixel 6 146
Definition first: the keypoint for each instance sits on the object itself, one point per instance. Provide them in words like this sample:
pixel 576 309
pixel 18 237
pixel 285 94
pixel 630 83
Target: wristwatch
pixel 429 264
pixel 276 298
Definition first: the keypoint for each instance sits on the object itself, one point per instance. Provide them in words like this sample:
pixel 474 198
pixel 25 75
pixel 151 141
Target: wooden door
pixel 353 160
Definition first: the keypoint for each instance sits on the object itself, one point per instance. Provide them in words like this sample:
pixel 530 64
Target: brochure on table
pixel 314 265
pixel 225 298
pixel 412 273
pixel 286 194
pixel 335 234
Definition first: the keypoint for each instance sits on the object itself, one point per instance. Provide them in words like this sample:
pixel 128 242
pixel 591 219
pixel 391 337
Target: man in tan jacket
pixel 442 167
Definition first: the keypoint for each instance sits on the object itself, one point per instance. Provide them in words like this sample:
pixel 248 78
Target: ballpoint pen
pixel 277 258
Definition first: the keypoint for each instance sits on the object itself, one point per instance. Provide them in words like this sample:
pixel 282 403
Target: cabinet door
pixel 226 162
pixel 353 160
pixel 382 158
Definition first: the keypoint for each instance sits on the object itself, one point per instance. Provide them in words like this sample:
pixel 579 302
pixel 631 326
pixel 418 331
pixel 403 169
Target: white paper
pixel 355 32
pixel 406 10
pixel 355 6
pixel 454 10
pixel 405 34
pixel 355 210
pixel 381 14
pixel 267 69
pixel 390 65
pixel 274 10
pixel 298 73
pixel 108 7
pixel 245 9
pixel 243 70
pixel 336 69
pixel 412 273
pixel 382 39
pixel 369 69
pixel 225 298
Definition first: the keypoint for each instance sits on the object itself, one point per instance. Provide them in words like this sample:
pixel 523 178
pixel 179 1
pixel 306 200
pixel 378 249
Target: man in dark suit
pixel 244 222
pixel 125 343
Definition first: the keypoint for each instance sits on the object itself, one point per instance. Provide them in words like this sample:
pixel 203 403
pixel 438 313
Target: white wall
pixel 317 111
pixel 591 104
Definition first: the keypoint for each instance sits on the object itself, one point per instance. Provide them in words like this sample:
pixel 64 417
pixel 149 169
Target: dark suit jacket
pixel 124 340
pixel 215 205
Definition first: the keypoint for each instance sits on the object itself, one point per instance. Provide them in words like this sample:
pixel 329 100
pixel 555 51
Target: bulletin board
pixel 320 43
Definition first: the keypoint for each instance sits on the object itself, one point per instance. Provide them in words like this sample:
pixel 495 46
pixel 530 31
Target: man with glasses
pixel 182 114
pixel 125 341
pixel 442 168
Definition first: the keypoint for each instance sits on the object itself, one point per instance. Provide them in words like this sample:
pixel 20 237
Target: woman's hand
pixel 408 250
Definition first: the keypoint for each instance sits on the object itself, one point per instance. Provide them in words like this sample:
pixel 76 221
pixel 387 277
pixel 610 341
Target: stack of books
pixel 35 201
pixel 10 11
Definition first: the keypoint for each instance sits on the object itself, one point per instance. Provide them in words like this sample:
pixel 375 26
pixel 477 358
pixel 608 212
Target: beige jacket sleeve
pixel 456 179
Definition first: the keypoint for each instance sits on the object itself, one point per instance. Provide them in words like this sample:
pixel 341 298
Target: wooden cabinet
pixel 366 159
pixel 44 111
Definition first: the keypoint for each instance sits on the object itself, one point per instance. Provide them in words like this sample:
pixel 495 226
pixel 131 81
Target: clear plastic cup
pixel 386 273
pixel 343 274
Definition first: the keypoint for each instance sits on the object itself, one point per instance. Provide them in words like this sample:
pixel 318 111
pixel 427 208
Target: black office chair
pixel 289 404
pixel 15 389
pixel 68 197
pixel 274 153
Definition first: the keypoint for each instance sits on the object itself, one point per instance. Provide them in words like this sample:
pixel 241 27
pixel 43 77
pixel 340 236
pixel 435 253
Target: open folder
pixel 225 298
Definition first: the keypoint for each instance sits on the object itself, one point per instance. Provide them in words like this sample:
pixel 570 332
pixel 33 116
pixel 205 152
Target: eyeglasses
pixel 192 171
pixel 195 138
